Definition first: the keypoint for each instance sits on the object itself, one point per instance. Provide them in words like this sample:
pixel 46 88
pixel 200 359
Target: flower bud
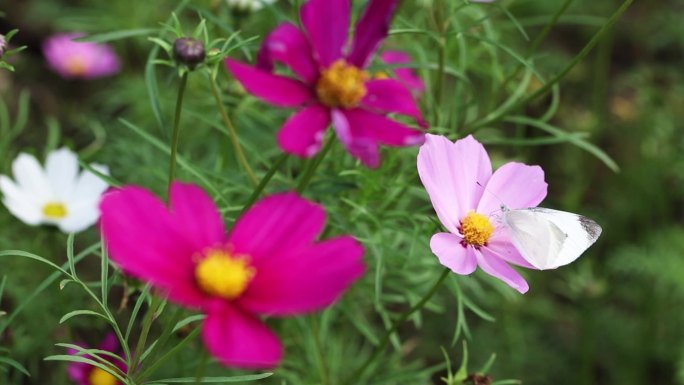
pixel 188 51
pixel 3 45
pixel 478 379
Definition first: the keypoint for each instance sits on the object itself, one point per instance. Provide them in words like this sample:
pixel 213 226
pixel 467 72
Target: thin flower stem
pixel 201 367
pixel 315 330
pixel 157 363
pixel 442 27
pixel 232 132
pixel 264 181
pixel 147 325
pixel 313 164
pixel 403 318
pixel 176 128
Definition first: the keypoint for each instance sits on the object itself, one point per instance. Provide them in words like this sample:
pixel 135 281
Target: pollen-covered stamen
pixel 342 85
pixel 98 376
pixel 476 229
pixel 55 210
pixel 76 66
pixel 224 275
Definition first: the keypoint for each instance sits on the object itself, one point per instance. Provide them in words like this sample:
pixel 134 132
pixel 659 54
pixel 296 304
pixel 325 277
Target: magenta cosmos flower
pixel 85 374
pixel 468 197
pixel 333 85
pixel 405 75
pixel 269 264
pixel 85 60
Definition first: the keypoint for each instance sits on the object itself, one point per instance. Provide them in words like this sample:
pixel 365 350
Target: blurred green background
pixel 613 317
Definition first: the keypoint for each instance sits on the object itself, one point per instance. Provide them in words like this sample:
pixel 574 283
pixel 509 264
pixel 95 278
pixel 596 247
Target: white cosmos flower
pixel 57 195
pixel 248 5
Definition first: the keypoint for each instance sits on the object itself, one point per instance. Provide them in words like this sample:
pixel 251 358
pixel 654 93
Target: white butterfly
pixel 549 238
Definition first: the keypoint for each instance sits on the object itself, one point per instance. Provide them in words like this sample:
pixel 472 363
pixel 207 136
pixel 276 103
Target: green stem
pixel 201 367
pixel 157 363
pixel 176 128
pixel 442 27
pixel 323 367
pixel 142 339
pixel 232 132
pixel 388 334
pixel 264 181
pixel 313 164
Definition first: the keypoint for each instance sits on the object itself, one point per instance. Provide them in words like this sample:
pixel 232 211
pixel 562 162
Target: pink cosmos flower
pixel 467 198
pixel 405 75
pixel 332 85
pixel 85 60
pixel 269 264
pixel 85 374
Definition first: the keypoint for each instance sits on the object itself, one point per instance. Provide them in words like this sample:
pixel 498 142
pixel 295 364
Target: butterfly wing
pixel 550 238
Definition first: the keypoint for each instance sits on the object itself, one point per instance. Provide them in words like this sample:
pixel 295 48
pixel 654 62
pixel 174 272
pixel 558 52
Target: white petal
pixel 19 203
pixel 89 186
pixel 31 178
pixel 79 219
pixel 61 168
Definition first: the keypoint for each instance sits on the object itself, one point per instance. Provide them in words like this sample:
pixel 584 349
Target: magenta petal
pixel 146 242
pixel 303 133
pixel 390 96
pixel 407 76
pixel 278 222
pixel 371 30
pixel 294 283
pixel 378 128
pixel 360 147
pixel 452 254
pixel 274 89
pixel 497 268
pixel 197 215
pixel 240 340
pixel 327 25
pixel 288 45
pixel 516 185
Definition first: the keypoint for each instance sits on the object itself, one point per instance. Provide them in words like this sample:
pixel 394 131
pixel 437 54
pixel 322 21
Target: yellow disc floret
pixel 54 210
pixel 342 85
pixel 98 376
pixel 76 66
pixel 476 229
pixel 223 275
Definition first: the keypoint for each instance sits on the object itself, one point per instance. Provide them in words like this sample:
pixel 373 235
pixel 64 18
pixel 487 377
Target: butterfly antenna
pixel 503 204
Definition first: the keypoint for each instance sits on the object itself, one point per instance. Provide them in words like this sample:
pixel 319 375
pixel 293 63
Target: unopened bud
pixel 188 51
pixel 478 379
pixel 3 45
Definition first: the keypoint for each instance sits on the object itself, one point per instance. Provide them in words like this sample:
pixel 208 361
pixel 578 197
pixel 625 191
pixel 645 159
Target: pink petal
pixel 407 76
pixel 450 173
pixel 497 268
pixel 280 223
pixel 304 281
pixel 148 243
pixel 303 133
pixel 390 96
pixel 501 246
pixel 362 148
pixel 327 25
pixel 371 30
pixel 288 45
pixel 515 185
pixel 199 219
pixel 274 89
pixel 238 339
pixel 452 254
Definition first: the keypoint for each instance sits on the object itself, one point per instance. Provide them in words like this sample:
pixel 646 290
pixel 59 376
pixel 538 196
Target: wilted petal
pixel 288 45
pixel 274 89
pixel 303 133
pixel 515 185
pixel 312 279
pixel 390 96
pixel 238 339
pixel 327 25
pixel 371 30
pixel 497 268
pixel 452 254
pixel 278 223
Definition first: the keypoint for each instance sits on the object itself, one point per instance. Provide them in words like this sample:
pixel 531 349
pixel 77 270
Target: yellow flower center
pixel 98 376
pixel 341 85
pixel 224 275
pixel 76 66
pixel 55 210
pixel 476 229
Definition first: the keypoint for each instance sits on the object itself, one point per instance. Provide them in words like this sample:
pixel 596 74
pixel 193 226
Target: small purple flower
pixel 84 374
pixel 83 60
pixel 3 45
